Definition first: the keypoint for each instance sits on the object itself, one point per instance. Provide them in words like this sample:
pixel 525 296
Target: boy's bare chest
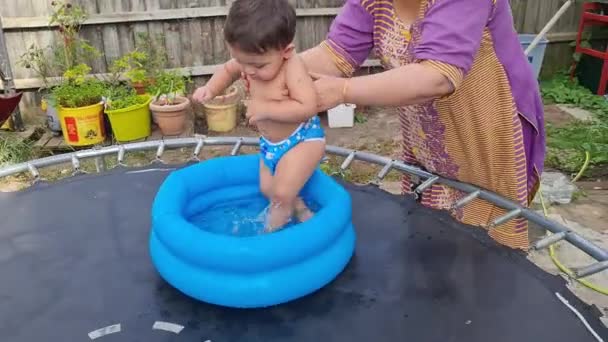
pixel 275 89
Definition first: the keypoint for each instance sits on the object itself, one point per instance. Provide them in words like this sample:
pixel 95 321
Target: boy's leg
pixel 293 171
pixel 303 213
pixel 265 180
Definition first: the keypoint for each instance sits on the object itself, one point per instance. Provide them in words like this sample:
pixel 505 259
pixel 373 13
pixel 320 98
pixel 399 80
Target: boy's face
pixel 264 66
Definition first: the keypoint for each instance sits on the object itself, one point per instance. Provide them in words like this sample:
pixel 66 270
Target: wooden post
pixel 5 66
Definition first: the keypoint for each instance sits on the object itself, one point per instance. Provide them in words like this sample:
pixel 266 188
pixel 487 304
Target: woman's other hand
pixel 330 91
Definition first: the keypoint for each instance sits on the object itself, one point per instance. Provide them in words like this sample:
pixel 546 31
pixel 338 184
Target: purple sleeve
pixel 350 37
pixel 451 31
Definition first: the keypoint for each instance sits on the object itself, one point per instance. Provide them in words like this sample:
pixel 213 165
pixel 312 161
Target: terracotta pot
pixel 171 119
pixel 140 88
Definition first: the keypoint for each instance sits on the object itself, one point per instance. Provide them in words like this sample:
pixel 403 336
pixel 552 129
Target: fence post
pixel 8 82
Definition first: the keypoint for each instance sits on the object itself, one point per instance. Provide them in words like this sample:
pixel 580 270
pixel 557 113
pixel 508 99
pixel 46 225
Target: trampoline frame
pixel 514 210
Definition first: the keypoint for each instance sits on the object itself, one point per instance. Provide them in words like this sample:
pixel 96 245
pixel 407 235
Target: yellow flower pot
pixel 131 123
pixel 221 112
pixel 83 126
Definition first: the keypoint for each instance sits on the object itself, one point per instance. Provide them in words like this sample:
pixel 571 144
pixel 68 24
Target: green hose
pixel 552 253
pixel 585 166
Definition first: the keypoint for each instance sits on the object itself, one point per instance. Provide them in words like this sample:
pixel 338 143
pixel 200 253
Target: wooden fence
pixel 191 30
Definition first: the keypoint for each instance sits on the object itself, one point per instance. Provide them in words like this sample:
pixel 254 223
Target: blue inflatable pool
pixel 246 271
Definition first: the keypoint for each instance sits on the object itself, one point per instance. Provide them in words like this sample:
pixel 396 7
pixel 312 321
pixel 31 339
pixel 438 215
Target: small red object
pixel 8 103
pixel 591 15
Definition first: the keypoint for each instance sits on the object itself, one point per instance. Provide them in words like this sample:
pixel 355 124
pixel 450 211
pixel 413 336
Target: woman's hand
pixel 330 91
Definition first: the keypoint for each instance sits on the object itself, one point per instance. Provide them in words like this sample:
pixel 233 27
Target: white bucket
pixel 341 116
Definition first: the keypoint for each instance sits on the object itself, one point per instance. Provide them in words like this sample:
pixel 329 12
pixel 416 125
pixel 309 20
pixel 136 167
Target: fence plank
pixel 532 16
pixel 139 6
pixel 518 10
pixel 172 37
pixel 111 44
pixel 41 22
pixel 94 35
pixel 185 35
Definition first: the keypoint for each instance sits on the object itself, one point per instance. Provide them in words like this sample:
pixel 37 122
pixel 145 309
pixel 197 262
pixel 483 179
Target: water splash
pixel 246 217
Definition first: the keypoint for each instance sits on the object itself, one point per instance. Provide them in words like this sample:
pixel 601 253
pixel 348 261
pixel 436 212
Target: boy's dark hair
pixel 256 26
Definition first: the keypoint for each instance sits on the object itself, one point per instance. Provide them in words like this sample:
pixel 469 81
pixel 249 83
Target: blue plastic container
pixel 537 54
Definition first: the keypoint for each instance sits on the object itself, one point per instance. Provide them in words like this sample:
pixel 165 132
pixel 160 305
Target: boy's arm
pixel 302 102
pixel 224 77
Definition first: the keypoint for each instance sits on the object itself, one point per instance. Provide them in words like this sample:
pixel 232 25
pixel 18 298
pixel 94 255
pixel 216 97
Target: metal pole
pixel 5 66
pixel 549 26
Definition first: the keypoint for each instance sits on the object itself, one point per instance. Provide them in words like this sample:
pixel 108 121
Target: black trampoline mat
pixel 74 258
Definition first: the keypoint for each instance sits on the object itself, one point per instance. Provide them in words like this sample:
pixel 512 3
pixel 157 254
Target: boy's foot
pixel 302 212
pixel 278 216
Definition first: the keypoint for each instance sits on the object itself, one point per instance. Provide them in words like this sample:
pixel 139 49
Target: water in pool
pixel 244 217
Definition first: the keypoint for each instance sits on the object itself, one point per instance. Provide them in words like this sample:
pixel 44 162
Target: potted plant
pixel 79 99
pixel 40 62
pixel 155 55
pixel 131 66
pixel 56 60
pixel 68 18
pixel 128 112
pixel 169 106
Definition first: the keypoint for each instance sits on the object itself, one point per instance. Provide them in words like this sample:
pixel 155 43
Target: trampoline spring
pixel 121 156
pixel 466 199
pixel 34 171
pixel 425 185
pixel 507 217
pixel 349 159
pixel 385 170
pixel 549 240
pixel 237 147
pixel 199 147
pixel 76 165
pixel 159 152
pixel 100 164
pixel 591 269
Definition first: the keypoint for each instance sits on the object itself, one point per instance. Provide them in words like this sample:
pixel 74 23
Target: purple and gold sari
pixel 489 132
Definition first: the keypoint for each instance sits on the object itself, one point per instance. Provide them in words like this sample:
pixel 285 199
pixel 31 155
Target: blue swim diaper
pixel 271 153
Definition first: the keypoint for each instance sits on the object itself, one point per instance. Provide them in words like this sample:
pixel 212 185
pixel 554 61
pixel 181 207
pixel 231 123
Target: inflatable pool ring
pixel 246 271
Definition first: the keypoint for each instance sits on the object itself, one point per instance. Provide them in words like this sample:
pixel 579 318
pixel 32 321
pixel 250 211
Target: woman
pixel 468 101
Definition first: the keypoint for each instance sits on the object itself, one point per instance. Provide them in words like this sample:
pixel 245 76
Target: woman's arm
pixel 411 84
pixel 348 43
pixel 319 60
pixel 445 53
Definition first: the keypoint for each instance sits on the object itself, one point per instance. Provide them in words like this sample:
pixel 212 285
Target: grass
pixel 566 146
pixel 14 150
